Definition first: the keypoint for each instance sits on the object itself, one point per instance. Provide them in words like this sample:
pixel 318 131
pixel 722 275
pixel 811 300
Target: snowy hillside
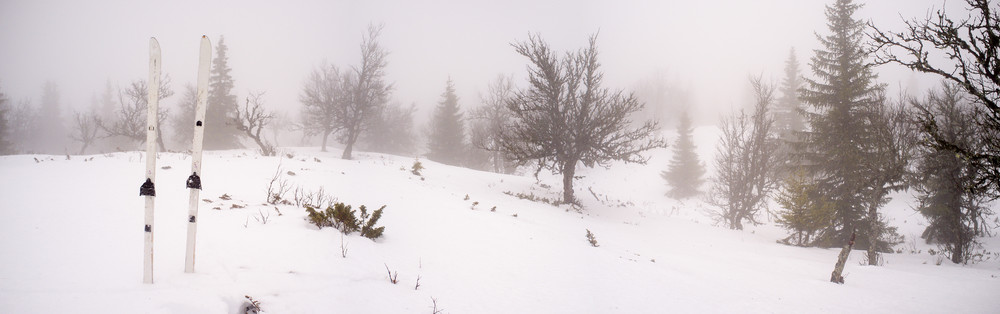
pixel 71 242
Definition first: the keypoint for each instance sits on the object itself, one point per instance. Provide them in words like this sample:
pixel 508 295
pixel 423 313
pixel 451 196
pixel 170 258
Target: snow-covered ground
pixel 71 241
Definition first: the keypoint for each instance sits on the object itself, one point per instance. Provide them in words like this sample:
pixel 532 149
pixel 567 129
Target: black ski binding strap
pixel 192 219
pixel 194 181
pixel 147 188
pixel 149 228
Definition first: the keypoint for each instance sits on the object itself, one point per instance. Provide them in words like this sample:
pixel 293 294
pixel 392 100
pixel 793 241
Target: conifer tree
pixel 842 145
pixel 685 172
pixel 219 134
pixel 49 135
pixel 447 131
pixel 946 182
pixel 805 209
pixel 788 119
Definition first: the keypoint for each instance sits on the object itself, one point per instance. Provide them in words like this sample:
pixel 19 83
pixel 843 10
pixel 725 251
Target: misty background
pixel 699 54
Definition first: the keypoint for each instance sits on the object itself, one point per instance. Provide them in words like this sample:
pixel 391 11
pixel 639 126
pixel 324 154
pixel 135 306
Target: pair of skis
pixel 194 181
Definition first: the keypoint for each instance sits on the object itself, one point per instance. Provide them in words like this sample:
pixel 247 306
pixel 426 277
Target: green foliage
pixel 806 210
pixel 368 228
pixel 417 167
pixel 848 145
pixel 343 218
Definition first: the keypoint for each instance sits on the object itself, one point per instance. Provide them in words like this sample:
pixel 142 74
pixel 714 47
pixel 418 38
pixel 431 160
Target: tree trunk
pixel 347 150
pixel 569 171
pixel 84 148
pixel 873 233
pixel 159 140
pixel 838 269
pixel 325 136
pixel 351 138
pixel 496 162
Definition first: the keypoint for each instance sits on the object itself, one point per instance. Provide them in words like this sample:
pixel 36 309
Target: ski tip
pixel 204 36
pixel 153 43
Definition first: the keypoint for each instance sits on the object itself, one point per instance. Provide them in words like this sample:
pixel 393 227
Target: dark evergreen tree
pixel 219 132
pixel 446 143
pixel 945 180
pixel 843 146
pixel 685 172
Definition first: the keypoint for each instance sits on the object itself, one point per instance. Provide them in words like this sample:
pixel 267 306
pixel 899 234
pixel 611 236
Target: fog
pixel 707 48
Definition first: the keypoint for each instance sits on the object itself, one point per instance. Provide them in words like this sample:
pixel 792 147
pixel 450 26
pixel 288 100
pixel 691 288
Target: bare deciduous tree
pixel 130 120
pixel 489 120
pixel 252 119
pixel 369 91
pixel 971 47
pixel 566 117
pixel 323 98
pixel 85 129
pixel 746 162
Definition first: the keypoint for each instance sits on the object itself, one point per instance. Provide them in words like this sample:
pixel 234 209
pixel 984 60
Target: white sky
pixel 710 47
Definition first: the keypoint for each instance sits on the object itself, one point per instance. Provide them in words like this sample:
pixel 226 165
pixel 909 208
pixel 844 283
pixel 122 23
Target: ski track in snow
pixel 71 241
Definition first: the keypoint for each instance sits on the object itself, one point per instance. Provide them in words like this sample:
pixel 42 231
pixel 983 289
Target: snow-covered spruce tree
pixel 446 141
pixel 841 136
pixel 130 120
pixel 565 117
pixel 391 130
pixel 945 180
pixel 971 43
pixel 684 175
pixel 745 162
pixel 219 134
pixel 788 119
pixel 489 120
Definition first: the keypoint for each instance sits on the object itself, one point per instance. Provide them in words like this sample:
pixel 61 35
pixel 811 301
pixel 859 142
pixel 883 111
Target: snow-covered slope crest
pixel 71 241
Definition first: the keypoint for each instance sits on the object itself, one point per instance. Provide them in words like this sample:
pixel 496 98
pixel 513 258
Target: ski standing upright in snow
pixel 148 189
pixel 194 181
